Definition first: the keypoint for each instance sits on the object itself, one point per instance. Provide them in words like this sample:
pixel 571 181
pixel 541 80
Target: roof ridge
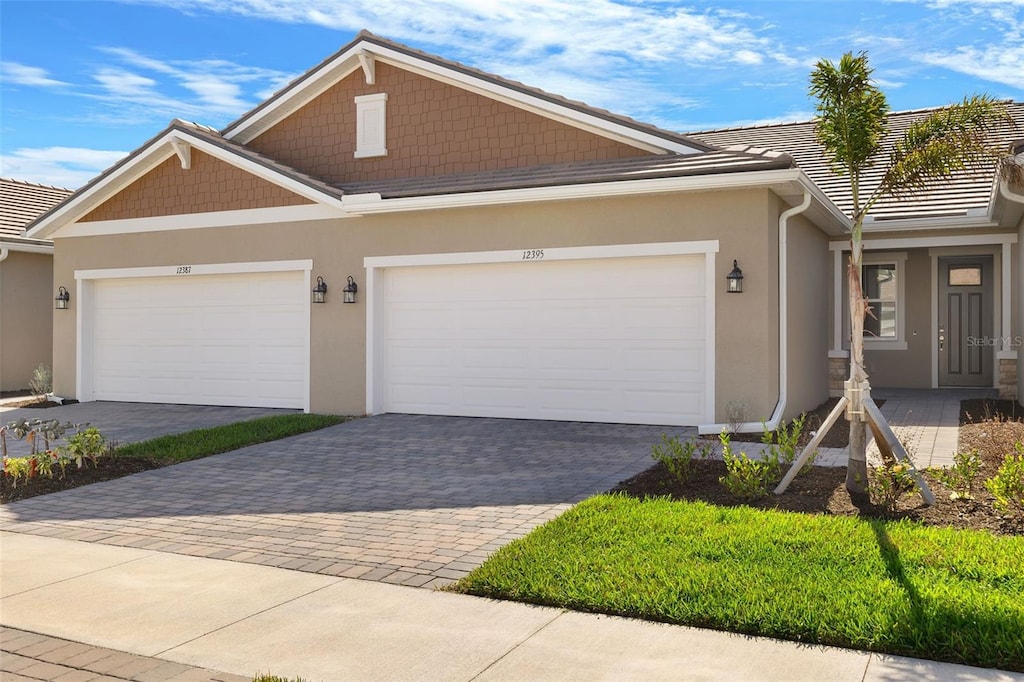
pixel 36 184
pixel 518 86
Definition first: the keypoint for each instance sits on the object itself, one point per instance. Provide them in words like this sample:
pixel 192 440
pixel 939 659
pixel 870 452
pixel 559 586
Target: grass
pixel 893 587
pixel 182 447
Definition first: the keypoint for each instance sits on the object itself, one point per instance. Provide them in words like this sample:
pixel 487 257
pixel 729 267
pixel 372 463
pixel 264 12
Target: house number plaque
pixel 184 270
pixel 533 254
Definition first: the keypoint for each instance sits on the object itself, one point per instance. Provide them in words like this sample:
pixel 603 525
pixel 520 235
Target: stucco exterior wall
pixel 808 328
pixel 432 129
pixel 744 222
pixel 1018 326
pixel 209 185
pixel 26 317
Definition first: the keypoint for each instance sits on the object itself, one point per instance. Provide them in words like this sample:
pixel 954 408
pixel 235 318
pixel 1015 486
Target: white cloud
pixel 20 74
pixel 69 167
pixel 997 63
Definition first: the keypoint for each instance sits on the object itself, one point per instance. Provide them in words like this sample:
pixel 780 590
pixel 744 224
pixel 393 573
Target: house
pixel 396 232
pixel 942 269
pixel 26 276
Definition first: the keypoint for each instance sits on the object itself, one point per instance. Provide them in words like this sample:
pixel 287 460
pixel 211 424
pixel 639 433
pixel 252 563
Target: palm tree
pixel 851 126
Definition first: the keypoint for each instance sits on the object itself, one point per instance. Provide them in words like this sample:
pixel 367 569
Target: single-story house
pixel 26 278
pixel 396 232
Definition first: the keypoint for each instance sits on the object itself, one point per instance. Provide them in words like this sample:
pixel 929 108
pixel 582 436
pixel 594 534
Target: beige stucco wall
pixel 1018 326
pixel 808 328
pixel 26 317
pixel 744 222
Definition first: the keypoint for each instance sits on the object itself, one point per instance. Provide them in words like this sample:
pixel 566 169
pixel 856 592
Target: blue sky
pixel 85 82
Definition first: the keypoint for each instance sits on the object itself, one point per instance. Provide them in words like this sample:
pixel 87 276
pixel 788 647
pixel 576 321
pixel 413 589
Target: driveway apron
pixel 408 499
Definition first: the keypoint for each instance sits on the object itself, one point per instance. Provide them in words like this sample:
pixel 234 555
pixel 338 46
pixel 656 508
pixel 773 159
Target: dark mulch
pixel 107 468
pixel 990 426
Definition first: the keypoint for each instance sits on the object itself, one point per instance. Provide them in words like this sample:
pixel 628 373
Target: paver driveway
pixel 407 499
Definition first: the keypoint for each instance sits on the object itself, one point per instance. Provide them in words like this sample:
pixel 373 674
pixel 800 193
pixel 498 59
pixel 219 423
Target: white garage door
pixel 238 339
pixel 611 340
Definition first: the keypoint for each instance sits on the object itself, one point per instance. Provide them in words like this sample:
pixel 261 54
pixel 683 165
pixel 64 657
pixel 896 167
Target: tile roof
pixel 22 202
pixel 732 160
pixel 581 107
pixel 955 196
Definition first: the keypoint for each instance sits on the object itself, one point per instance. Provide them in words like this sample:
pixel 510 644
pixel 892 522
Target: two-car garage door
pixel 208 339
pixel 611 340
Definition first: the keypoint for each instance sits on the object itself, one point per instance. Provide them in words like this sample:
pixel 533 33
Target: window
pixel 966 276
pixel 882 280
pixel 371 134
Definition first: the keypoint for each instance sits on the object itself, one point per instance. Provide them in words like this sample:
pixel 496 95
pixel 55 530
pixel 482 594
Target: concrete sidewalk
pixel 242 618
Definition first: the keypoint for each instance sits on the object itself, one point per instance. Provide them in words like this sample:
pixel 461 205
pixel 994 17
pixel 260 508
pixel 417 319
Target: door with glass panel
pixel 966 348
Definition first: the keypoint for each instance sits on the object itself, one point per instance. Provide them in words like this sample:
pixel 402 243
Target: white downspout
pixel 780 406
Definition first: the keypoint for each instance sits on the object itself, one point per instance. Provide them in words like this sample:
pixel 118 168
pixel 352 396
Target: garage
pixel 237 339
pixel 622 340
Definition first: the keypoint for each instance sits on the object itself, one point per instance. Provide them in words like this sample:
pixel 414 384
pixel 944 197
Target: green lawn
pixel 892 587
pixel 182 447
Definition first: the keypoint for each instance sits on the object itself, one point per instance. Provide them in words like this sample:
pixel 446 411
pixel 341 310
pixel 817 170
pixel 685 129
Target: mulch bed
pixel 837 437
pixel 106 469
pixel 990 426
pixel 34 403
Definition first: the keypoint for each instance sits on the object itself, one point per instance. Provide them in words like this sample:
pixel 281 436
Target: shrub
pixel 1007 486
pixel 85 445
pixel 41 382
pixel 889 484
pixel 675 456
pixel 747 478
pixel 960 477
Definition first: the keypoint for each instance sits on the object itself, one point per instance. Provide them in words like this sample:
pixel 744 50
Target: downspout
pixel 780 405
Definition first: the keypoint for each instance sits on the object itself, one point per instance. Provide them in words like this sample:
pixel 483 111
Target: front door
pixel 965 321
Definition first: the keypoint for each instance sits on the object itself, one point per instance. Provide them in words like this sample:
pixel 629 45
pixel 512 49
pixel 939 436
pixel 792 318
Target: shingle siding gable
pixel 432 129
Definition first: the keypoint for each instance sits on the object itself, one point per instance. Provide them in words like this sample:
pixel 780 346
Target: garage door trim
pixel 375 303
pixel 85 279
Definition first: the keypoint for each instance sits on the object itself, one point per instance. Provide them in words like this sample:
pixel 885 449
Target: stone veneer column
pixel 838 372
pixel 1007 378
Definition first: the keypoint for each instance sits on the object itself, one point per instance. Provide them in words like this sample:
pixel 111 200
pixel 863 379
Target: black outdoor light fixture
pixel 62 299
pixel 320 290
pixel 350 290
pixel 735 279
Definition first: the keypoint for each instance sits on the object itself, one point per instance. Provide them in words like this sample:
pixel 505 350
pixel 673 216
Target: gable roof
pixel 178 138
pixel 366 48
pixel 965 194
pixel 22 202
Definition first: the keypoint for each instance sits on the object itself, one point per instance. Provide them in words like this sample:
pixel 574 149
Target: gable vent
pixel 371 132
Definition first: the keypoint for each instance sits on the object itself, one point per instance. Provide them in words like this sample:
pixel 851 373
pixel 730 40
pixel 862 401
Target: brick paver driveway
pixel 407 499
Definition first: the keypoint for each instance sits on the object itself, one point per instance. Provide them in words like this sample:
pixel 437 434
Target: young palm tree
pixel 851 126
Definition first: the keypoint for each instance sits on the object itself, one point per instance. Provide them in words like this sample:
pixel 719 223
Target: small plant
pixel 736 414
pixel 88 444
pixel 961 476
pixel 783 444
pixel 49 430
pixel 41 382
pixel 889 484
pixel 746 478
pixel 1007 486
pixel 676 456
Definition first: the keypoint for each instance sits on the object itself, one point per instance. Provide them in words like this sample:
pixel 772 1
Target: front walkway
pixel 927 422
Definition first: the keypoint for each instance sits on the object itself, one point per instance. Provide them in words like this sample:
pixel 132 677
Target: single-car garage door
pixel 611 340
pixel 234 339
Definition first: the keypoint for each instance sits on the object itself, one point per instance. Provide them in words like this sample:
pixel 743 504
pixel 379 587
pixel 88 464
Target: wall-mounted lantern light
pixel 62 299
pixel 735 279
pixel 320 290
pixel 350 290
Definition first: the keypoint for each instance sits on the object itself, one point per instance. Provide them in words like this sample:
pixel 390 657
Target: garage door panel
pixel 238 339
pixel 602 340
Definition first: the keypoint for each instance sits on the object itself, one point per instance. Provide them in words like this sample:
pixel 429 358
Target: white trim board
pixel 375 266
pixel 189 221
pixel 195 269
